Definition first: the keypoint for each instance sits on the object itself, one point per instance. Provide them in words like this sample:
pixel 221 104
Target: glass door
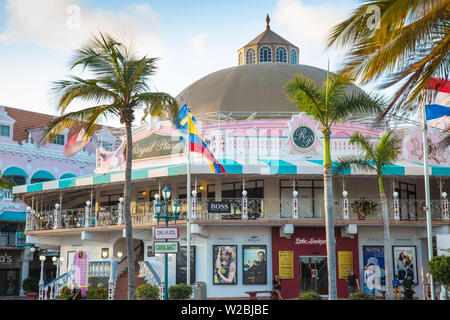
pixel 314 274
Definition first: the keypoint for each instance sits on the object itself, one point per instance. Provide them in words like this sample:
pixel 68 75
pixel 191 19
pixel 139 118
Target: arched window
pixel 42 176
pixel 67 176
pixel 16 174
pixel 265 54
pixel 293 57
pixel 281 55
pixel 250 56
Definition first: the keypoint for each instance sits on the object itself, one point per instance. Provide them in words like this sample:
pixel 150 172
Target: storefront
pixel 301 261
pixel 10 266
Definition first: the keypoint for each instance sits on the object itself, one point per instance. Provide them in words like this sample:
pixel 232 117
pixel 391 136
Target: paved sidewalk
pixel 12 298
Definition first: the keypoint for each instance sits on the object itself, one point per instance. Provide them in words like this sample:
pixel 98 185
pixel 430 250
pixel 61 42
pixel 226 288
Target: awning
pixel 256 166
pixel 13 216
pixel 43 174
pixel 15 171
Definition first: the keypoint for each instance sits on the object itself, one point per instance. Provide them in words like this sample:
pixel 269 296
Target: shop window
pixel 310 193
pixel 254 188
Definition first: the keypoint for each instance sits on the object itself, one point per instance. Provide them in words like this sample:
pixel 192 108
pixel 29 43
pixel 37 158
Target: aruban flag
pixel 76 143
pixel 438 111
pixel 185 122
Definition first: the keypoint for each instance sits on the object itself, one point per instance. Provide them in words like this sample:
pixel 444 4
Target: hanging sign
pixel 166 247
pixel 170 233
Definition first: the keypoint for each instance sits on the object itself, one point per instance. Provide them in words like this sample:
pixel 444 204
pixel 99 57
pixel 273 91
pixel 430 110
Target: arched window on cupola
pixel 281 55
pixel 293 57
pixel 250 56
pixel 265 54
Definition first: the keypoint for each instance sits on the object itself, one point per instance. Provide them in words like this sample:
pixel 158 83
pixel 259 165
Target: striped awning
pixel 260 166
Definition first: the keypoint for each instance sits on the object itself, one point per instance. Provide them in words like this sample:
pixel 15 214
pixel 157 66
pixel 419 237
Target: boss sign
pixel 171 233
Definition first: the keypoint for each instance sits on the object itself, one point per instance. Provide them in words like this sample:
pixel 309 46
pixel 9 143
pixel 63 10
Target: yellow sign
pixel 286 264
pixel 345 261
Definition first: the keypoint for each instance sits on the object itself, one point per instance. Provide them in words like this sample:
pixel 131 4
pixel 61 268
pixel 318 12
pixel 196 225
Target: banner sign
pixel 157 145
pixel 219 207
pixel 286 264
pixel 80 270
pixel 166 247
pixel 170 233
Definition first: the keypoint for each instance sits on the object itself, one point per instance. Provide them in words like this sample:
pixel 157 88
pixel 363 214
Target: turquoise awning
pixel 15 171
pixel 13 216
pixel 43 174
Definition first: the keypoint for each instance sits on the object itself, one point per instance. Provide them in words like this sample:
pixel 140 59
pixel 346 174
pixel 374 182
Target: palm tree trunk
pixel 329 220
pixel 387 242
pixel 127 213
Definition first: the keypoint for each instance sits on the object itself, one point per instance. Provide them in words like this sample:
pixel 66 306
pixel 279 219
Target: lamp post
pixel 41 281
pixel 396 206
pixel 175 208
pixel 345 204
pixel 444 206
pixel 57 261
pixel 295 204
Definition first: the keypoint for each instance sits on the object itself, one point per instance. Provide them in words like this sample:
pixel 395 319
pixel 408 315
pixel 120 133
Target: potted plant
pixel 65 293
pixel 309 295
pixel 147 292
pixel 180 291
pixel 363 208
pixel 31 287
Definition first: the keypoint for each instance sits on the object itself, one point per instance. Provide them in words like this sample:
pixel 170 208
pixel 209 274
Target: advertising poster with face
pixel 255 265
pixel 374 272
pixel 224 264
pixel 405 263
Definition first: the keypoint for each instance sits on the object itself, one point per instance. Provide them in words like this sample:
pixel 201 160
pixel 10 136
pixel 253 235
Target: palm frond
pixel 357 162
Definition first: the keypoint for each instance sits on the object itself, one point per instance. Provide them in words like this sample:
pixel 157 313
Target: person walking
pixel 352 282
pixel 277 285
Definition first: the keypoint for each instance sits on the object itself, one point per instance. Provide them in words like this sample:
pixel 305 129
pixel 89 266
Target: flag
pixel 186 123
pixel 76 143
pixel 438 112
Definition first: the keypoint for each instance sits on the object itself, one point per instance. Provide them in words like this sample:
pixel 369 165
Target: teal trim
pixel 43 174
pixel 13 216
pixel 67 183
pixel 334 165
pixel 177 170
pixel 15 171
pixel 139 174
pixel 231 166
pixel 104 178
pixel 35 187
pixel 439 170
pixel 280 167
pixel 393 170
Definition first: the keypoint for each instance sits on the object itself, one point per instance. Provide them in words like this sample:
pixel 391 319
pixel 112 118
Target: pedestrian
pixel 277 285
pixel 352 282
pixel 409 285
pixel 396 287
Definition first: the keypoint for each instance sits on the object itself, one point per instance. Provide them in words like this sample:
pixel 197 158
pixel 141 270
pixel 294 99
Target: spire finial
pixel 268 21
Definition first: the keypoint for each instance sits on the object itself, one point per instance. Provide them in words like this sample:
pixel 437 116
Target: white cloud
pixel 307 26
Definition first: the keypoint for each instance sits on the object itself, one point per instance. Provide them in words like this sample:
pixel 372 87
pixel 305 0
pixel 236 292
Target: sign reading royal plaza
pixel 157 145
pixel 303 138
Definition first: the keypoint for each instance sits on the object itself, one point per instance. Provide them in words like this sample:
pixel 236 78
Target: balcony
pixel 257 210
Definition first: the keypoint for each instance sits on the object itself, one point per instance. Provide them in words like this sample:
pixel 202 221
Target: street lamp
pixel 57 262
pixel 157 208
pixel 42 258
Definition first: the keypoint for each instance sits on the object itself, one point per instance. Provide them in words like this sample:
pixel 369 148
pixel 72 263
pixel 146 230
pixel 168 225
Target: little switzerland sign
pixel 171 233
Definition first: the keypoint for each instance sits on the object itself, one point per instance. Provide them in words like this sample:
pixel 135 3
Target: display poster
pixel 443 244
pixel 374 273
pixel 181 265
pixel 80 271
pixel 286 264
pixel 224 264
pixel 254 264
pixel 345 262
pixel 405 264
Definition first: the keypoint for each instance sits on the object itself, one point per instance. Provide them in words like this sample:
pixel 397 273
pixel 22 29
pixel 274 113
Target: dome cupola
pixel 268 47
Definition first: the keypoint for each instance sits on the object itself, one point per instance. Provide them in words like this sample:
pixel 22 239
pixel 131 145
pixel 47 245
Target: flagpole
pixel 427 193
pixel 189 209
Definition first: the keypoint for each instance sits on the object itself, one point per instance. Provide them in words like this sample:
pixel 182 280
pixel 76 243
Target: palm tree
pixel 330 105
pixel 401 41
pixel 374 158
pixel 118 87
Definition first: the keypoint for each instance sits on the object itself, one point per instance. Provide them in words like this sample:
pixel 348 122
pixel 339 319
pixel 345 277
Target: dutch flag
pixel 438 112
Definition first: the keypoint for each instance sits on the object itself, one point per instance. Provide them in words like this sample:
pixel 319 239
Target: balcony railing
pixel 260 209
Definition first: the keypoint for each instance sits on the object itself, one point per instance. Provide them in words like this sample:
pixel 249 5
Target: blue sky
pixel 192 38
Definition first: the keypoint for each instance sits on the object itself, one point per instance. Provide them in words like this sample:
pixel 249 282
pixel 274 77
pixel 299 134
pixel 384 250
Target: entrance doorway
pixel 9 282
pixel 314 274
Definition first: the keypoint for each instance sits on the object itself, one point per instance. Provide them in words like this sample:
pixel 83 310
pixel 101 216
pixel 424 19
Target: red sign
pixel 170 233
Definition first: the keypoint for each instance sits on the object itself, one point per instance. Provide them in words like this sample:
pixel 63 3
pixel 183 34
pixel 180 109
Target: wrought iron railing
pixel 261 209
